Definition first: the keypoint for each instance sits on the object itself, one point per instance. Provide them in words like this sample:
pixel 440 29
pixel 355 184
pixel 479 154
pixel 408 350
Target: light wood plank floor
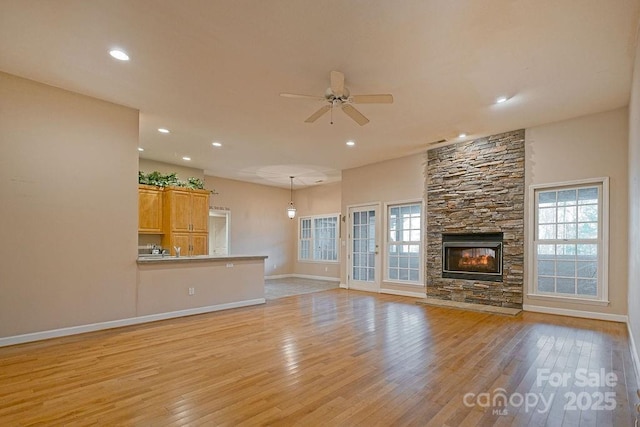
pixel 329 358
pixel 280 288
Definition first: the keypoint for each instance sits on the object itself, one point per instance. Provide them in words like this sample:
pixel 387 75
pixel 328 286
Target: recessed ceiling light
pixel 186 158
pixel 163 130
pixel 462 135
pixel 119 55
pixel 140 149
pixel 501 100
pixel 216 144
pixel 351 143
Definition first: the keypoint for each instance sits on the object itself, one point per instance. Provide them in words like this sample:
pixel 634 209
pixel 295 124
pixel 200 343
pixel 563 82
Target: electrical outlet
pixel 229 264
pixel 192 291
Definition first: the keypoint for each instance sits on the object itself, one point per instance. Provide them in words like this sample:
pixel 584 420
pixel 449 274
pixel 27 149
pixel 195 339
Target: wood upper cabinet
pixel 149 209
pixel 186 221
pixel 200 212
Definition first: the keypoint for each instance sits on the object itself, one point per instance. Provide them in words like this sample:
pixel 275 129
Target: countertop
pixel 157 259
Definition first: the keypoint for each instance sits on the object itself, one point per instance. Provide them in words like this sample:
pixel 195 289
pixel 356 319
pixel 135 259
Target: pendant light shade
pixel 291 210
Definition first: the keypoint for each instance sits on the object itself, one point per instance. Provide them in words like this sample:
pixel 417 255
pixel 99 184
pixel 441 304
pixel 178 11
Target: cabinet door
pixel 200 212
pixel 199 244
pixel 149 210
pixel 179 210
pixel 181 240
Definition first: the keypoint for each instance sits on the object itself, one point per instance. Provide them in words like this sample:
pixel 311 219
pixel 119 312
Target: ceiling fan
pixel 337 95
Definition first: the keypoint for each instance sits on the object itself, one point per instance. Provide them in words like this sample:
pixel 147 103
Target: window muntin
pixel 568 242
pixel 404 242
pixel 318 238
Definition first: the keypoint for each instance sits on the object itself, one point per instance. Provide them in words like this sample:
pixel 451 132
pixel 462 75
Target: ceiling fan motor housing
pixel 330 96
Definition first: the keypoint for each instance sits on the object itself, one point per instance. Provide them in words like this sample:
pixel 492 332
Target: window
pixel 569 253
pixel 318 238
pixel 404 242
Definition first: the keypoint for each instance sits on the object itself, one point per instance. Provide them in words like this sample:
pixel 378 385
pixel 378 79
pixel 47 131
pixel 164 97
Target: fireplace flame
pixel 476 259
pixel 470 261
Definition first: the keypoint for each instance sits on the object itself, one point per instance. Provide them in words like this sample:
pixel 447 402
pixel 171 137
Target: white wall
pixel 634 210
pixel 586 147
pixel 68 204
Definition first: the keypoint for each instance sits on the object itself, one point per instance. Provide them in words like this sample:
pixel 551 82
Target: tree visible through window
pixel 568 241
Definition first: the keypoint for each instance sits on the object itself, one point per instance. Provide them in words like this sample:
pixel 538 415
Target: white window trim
pixel 385 246
pixel 338 227
pixel 603 299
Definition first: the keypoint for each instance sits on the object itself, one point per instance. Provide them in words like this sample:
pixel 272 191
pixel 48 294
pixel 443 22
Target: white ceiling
pixel 212 70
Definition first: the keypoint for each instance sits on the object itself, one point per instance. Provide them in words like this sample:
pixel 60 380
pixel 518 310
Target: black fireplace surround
pixel 472 256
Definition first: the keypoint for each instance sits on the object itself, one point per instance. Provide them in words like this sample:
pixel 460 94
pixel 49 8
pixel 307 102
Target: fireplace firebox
pixel 472 256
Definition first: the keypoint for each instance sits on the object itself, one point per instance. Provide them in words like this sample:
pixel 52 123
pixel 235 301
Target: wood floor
pixel 286 287
pixel 329 358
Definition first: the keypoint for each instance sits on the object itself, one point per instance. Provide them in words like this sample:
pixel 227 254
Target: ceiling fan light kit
pixel 337 95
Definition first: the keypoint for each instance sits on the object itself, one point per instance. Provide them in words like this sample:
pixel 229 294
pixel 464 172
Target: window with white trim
pixel 318 238
pixel 569 256
pixel 404 242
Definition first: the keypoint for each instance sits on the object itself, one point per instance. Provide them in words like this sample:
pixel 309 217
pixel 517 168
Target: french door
pixel 364 248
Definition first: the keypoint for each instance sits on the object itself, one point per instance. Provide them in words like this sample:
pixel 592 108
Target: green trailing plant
pixel 168 180
pixel 195 183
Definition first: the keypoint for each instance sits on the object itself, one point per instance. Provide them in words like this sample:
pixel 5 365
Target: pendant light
pixel 291 210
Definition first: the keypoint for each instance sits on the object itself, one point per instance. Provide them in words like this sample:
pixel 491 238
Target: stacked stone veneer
pixel 477 187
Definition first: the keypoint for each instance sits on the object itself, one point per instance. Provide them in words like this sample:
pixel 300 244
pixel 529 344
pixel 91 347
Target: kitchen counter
pixel 157 259
pixel 178 286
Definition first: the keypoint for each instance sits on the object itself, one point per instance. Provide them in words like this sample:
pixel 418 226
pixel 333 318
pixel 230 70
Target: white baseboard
pixel 356 288
pixel 344 286
pixel 303 276
pixel 576 313
pixel 404 293
pixel 74 330
pixel 634 352
pixel 278 276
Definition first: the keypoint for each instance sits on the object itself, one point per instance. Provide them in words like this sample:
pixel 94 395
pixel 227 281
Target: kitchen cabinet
pixel 149 209
pixel 186 221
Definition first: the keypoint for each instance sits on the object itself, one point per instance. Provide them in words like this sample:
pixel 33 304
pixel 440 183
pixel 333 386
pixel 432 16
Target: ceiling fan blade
pixel 356 115
pixel 337 83
pixel 298 96
pixel 315 116
pixel 383 98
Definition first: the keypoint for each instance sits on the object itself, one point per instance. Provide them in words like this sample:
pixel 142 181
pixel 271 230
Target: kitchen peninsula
pixel 179 286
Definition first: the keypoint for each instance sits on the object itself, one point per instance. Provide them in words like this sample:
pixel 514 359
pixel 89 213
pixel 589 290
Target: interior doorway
pixel 219 222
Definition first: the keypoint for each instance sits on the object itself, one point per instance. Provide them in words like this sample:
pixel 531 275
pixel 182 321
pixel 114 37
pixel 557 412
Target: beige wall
pixel 316 200
pixel 391 181
pixel 259 223
pixel 182 172
pixel 164 287
pixel 634 208
pixel 68 204
pixel 586 147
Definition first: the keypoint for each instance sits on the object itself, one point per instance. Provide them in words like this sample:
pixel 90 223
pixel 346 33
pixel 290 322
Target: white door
pixel 218 232
pixel 364 248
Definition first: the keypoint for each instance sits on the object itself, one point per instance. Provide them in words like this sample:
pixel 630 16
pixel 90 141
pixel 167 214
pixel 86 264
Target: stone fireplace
pixel 475 221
